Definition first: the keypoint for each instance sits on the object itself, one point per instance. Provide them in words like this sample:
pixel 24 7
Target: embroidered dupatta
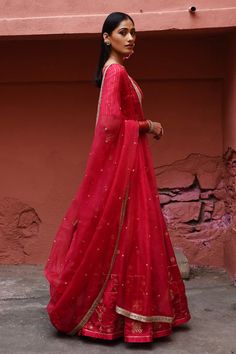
pixel 115 216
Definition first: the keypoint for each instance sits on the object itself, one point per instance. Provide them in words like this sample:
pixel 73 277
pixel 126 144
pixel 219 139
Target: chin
pixel 128 51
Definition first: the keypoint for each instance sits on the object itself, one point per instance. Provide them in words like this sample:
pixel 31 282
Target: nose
pixel 130 38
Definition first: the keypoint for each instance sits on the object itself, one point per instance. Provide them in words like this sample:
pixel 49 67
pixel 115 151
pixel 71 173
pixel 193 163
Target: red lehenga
pixel 112 270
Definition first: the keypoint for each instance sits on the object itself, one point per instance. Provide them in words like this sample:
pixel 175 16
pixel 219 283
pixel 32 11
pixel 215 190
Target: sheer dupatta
pixel 115 223
pixel 85 245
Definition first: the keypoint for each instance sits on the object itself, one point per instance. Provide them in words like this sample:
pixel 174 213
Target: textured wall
pixel 230 237
pixel 193 192
pixel 230 154
pixel 19 231
pixel 48 110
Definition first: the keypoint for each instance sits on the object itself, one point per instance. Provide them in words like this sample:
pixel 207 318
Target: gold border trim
pixel 99 296
pixel 100 93
pixel 137 90
pixel 141 318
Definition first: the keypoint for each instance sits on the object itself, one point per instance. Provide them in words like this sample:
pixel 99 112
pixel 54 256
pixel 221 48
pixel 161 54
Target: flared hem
pixel 181 321
pixel 127 338
pixel 133 338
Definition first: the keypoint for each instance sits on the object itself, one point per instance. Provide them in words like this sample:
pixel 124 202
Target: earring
pixel 107 43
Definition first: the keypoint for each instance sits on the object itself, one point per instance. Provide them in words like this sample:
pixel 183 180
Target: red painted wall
pixel 229 94
pixel 184 63
pixel 48 109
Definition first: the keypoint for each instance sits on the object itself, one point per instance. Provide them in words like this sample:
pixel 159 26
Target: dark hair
pixel 111 22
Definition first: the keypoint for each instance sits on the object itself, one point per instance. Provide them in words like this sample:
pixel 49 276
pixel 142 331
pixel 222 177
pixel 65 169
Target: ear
pixel 105 36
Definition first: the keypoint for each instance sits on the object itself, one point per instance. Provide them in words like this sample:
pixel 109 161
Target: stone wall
pixel 198 199
pixel 19 228
pixel 230 205
pixel 196 195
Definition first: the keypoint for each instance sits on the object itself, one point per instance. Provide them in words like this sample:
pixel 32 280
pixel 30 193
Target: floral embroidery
pixel 136 327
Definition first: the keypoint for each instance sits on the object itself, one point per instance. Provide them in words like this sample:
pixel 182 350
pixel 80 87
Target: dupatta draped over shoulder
pixel 115 216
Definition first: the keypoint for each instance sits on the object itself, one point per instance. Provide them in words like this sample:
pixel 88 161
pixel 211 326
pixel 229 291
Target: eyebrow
pixel 126 28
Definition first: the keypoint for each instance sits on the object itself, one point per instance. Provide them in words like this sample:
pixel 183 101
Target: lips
pixel 130 46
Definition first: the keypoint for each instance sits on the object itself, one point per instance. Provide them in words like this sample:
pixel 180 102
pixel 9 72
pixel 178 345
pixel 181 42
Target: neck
pixel 116 58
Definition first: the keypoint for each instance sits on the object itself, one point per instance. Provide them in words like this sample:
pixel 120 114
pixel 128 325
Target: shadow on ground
pixel 25 327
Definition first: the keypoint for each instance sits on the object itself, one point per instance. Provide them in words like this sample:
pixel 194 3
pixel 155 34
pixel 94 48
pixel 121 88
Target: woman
pixel 112 270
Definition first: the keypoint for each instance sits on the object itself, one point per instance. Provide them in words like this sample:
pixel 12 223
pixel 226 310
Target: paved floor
pixel 25 328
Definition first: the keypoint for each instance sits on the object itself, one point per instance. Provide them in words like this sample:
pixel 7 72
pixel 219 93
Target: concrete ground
pixel 25 328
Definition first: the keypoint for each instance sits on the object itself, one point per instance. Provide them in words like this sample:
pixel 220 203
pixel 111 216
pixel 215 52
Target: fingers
pixel 157 136
pixel 158 128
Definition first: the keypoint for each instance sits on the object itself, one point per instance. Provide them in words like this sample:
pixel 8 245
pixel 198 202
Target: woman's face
pixel 122 38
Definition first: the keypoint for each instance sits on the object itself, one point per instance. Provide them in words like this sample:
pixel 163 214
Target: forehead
pixel 126 24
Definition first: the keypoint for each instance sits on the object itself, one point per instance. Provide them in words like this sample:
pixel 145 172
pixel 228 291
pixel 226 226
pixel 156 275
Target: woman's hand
pixel 157 130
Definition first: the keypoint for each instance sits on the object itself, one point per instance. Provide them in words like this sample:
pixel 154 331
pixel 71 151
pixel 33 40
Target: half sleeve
pixel 111 113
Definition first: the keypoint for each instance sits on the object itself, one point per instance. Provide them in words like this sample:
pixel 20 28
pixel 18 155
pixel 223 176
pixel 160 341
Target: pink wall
pixel 229 139
pixel 72 17
pixel 20 8
pixel 178 77
pixel 48 108
pixel 229 95
pixel 44 143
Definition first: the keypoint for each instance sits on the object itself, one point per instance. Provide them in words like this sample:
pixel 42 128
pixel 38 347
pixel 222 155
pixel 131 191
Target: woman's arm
pixel 111 114
pixel 147 126
pixel 144 126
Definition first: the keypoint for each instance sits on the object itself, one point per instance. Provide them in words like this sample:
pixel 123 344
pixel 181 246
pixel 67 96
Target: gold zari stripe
pixel 100 93
pixel 141 318
pixel 98 298
pixel 137 90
